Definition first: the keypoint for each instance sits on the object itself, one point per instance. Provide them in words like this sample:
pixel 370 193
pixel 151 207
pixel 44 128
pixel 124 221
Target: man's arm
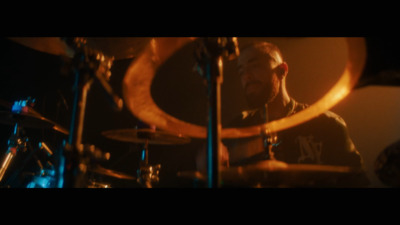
pixel 340 150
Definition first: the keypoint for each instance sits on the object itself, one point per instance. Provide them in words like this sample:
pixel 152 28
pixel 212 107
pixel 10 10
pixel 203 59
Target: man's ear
pixel 282 70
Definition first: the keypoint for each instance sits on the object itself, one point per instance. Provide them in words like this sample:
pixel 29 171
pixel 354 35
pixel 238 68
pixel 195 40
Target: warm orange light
pixel 140 74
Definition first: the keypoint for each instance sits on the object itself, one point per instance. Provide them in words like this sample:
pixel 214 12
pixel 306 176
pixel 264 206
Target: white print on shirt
pixel 309 149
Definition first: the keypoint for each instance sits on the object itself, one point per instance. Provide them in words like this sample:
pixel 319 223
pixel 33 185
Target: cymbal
pixel 28 108
pixel 111 173
pixel 119 47
pixel 267 166
pixel 276 173
pixel 140 75
pixel 30 119
pixel 50 45
pixel 154 137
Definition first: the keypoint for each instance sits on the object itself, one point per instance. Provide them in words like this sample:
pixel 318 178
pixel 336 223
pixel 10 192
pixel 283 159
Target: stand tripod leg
pixel 5 164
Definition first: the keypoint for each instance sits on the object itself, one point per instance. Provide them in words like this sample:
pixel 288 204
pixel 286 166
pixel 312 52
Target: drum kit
pixel 72 164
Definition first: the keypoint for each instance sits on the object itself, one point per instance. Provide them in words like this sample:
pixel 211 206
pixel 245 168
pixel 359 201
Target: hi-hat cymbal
pixel 30 119
pixel 111 173
pixel 154 137
pixel 272 173
pixel 119 47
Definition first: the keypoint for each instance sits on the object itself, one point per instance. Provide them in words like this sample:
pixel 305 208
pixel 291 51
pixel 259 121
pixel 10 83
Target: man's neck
pixel 278 108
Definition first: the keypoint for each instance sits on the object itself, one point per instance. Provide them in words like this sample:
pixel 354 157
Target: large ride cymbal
pixel 272 173
pixel 119 47
pixel 140 74
pixel 154 137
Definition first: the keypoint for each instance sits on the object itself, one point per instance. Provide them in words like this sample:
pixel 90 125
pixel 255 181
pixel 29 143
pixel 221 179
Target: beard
pixel 264 95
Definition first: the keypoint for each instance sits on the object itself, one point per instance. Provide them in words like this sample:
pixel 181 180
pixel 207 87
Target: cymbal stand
pixel 87 64
pixel 147 174
pixel 209 65
pixel 269 138
pixel 17 142
pixel 45 177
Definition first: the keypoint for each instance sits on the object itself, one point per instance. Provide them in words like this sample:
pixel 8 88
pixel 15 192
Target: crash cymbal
pixel 140 74
pixel 30 119
pixel 272 173
pixel 50 45
pixel 119 47
pixel 111 173
pixel 154 137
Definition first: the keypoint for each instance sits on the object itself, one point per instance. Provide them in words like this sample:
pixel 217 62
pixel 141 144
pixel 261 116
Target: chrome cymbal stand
pixel 87 65
pixel 269 138
pixel 17 141
pixel 147 174
pixel 209 65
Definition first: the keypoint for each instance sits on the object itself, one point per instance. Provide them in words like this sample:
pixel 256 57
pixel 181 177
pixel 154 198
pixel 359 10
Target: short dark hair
pixel 267 48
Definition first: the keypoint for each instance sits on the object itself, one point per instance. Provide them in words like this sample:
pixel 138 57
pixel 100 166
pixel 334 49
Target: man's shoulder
pixel 252 117
pixel 326 117
pixel 325 122
pixel 333 117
